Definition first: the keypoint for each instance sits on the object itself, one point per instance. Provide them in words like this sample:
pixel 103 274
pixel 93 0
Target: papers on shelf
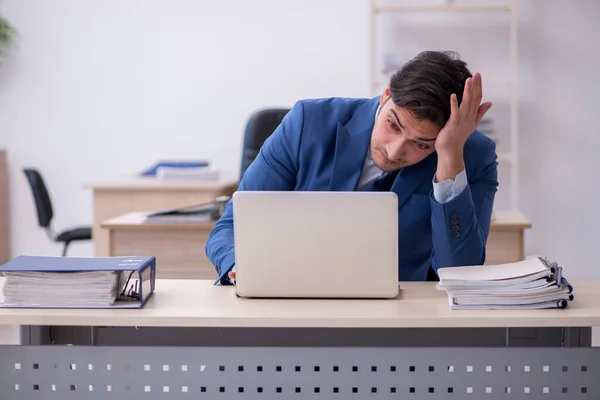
pixel 533 283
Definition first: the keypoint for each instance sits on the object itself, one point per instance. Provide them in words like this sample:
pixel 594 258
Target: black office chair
pixel 259 127
pixel 45 213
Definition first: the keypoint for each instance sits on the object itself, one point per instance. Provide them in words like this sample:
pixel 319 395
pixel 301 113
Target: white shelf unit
pixel 511 155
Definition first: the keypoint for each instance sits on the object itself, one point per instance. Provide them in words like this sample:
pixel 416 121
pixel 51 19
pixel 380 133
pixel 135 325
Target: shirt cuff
pixel 449 189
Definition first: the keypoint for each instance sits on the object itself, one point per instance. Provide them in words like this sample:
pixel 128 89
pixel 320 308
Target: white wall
pixel 560 137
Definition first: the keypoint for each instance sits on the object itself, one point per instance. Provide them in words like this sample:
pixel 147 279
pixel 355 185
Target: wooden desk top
pixel 135 183
pixel 197 303
pixel 136 221
pixel 509 219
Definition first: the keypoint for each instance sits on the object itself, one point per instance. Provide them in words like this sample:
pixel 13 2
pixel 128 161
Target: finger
pixel 477 89
pixel 231 275
pixel 474 96
pixel 453 105
pixel 481 112
pixel 466 100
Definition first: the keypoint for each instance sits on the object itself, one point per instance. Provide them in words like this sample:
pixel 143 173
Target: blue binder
pixel 151 171
pixel 136 276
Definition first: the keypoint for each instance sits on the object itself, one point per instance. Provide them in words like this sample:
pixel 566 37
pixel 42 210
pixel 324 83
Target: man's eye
pixel 392 125
pixel 421 145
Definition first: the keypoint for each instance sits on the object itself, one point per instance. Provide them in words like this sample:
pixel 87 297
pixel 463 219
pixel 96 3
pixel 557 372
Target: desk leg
pixel 35 335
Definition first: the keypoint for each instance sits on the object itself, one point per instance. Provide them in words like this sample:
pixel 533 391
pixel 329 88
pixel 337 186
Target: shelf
pixel 500 89
pixel 442 8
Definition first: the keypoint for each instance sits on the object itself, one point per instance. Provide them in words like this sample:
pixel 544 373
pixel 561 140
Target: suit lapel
pixel 410 179
pixel 351 147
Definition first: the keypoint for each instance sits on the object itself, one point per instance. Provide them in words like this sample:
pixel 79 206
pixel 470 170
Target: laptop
pixel 294 244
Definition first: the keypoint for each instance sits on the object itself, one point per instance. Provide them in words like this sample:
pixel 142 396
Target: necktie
pixel 381 184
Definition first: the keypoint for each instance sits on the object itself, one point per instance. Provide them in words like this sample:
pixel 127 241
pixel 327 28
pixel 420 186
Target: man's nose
pixel 395 149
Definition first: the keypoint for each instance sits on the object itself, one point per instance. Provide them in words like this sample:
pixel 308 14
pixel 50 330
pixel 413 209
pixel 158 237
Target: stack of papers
pixel 534 283
pixel 197 213
pixel 174 174
pixel 60 289
pixel 179 164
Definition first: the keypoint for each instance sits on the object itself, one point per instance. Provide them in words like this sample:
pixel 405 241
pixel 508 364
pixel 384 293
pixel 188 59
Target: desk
pixel 303 348
pixel 178 248
pixel 183 244
pixel 506 241
pixel 115 198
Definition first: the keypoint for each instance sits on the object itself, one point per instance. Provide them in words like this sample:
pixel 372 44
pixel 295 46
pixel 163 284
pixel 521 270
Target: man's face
pixel 399 139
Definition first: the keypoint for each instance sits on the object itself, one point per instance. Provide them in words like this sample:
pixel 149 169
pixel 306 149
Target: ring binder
pixel 73 282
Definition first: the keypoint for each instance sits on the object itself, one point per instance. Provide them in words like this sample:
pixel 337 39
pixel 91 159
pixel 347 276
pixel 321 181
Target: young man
pixel 418 139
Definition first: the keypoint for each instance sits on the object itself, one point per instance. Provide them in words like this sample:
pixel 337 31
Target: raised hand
pixel 464 119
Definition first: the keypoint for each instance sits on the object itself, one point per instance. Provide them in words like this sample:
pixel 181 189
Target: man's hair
pixel 424 85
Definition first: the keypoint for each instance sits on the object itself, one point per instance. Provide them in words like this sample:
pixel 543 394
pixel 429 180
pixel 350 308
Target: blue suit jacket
pixel 321 145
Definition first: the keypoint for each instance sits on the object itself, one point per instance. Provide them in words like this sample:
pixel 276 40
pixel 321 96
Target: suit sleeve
pixel 274 168
pixel 460 227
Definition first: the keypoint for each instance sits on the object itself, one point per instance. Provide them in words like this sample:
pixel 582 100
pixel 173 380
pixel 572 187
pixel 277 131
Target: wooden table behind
pixel 179 247
pixel 506 242
pixel 112 199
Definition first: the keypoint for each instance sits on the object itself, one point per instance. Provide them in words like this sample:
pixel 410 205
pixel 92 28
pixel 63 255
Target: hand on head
pixel 465 118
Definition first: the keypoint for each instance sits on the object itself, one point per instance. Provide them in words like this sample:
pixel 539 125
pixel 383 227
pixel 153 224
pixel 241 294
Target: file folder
pixel 152 170
pixel 204 212
pixel 78 282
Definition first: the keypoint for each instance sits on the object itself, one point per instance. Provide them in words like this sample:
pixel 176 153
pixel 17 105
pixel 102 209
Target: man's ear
pixel 385 96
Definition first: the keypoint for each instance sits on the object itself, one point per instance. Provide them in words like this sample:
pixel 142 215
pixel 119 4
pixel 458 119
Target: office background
pixel 98 89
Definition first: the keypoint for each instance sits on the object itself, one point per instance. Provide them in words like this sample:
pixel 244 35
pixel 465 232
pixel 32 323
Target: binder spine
pixel 143 296
pixel 133 288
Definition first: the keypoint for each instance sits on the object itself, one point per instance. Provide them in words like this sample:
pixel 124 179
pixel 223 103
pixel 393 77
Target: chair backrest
pixel 41 197
pixel 259 127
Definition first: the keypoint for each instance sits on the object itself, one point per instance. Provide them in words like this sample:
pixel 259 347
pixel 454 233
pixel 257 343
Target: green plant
pixel 7 33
